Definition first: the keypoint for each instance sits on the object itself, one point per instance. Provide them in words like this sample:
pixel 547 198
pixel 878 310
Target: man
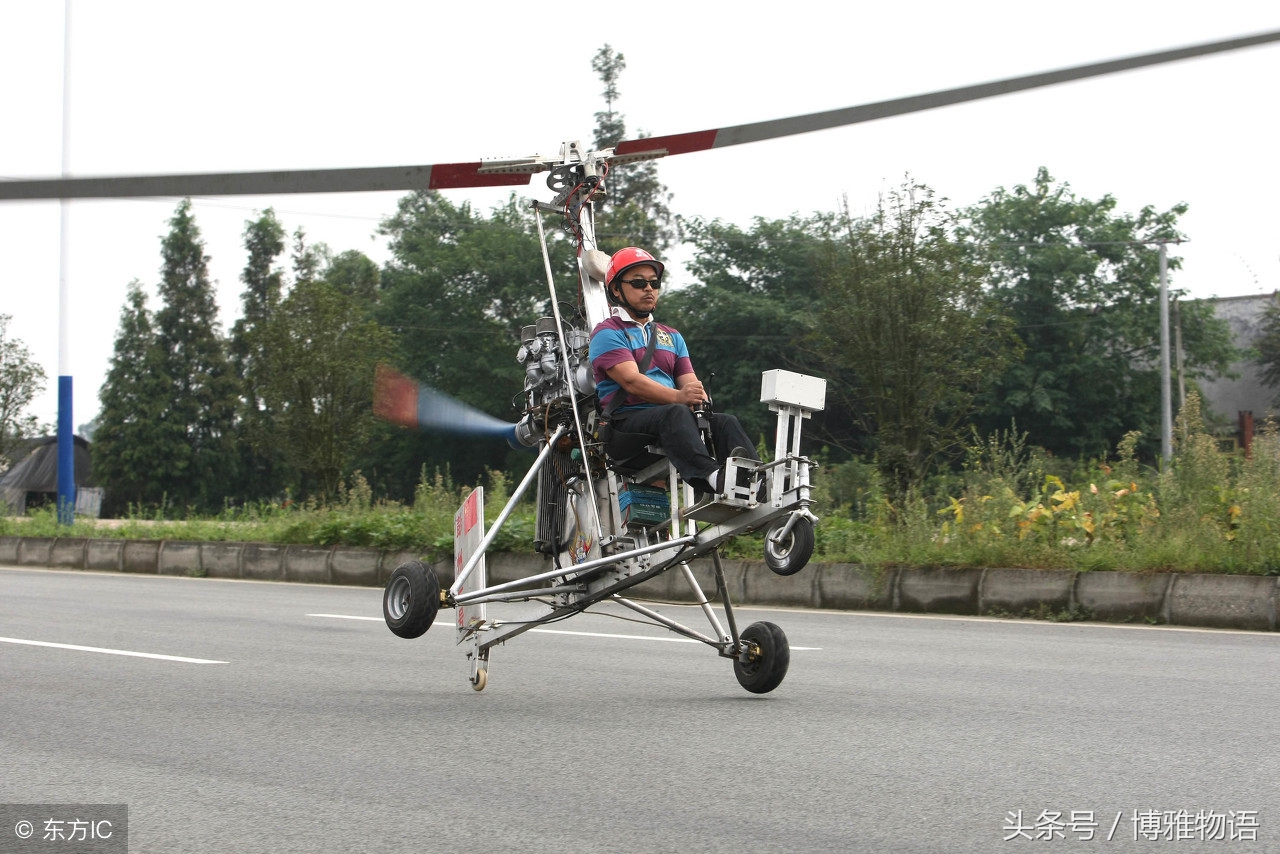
pixel 646 383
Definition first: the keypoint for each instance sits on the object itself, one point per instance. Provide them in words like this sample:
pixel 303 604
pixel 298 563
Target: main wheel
pixel 792 554
pixel 768 658
pixel 411 600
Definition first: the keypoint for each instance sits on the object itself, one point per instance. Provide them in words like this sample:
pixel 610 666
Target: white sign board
pixel 468 531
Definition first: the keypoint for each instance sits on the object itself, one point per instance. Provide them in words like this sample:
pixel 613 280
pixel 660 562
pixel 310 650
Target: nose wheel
pixel 411 599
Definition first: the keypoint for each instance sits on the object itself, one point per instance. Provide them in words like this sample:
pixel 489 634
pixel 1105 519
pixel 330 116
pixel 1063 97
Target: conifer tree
pixel 203 387
pixel 261 465
pixel 636 210
pixel 133 440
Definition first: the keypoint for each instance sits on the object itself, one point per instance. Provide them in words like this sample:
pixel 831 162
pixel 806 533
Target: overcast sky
pixel 193 87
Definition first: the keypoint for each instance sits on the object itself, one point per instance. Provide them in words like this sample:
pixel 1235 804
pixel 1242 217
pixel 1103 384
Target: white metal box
pixel 791 389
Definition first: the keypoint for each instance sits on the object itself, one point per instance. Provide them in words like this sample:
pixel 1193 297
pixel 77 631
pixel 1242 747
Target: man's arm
pixel 688 390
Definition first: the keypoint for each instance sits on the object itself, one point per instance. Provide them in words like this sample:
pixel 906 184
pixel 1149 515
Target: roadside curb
pixel 1247 602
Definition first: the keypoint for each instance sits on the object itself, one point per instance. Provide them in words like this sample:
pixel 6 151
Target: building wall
pixel 1228 397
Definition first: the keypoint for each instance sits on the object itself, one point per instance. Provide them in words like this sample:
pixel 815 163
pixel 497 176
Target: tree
pixel 1268 346
pixel 318 381
pixel 456 294
pixel 308 258
pixel 750 309
pixel 134 441
pixel 21 379
pixel 261 466
pixel 204 390
pixel 1081 282
pixel 354 273
pixel 910 335
pixel 636 211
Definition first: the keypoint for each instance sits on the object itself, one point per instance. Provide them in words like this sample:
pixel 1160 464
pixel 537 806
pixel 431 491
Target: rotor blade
pixel 459 175
pixel 681 143
pixel 409 403
pixel 441 176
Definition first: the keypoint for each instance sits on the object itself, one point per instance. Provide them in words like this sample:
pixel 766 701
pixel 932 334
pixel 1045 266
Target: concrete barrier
pixel 104 555
pixel 221 560
pixel 35 551
pixel 307 564
pixel 351 565
pixel 760 584
pixel 67 553
pixel 938 590
pixel 179 557
pixel 852 587
pixel 1224 601
pixel 1122 596
pixel 262 562
pixel 1025 592
pixel 141 556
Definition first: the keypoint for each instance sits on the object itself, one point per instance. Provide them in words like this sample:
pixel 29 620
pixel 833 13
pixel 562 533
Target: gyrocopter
pixel 606 522
pixel 610 514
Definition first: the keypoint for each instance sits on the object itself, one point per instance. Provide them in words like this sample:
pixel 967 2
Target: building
pixel 33 478
pixel 1247 399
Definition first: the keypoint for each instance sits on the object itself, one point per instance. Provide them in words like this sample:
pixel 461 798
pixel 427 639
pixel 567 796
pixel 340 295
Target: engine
pixel 546 382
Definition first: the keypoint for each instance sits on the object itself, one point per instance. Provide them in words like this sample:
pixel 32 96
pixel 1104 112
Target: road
pixel 891 733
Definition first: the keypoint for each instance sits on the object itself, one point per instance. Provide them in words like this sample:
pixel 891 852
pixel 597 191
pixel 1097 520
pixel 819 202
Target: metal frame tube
pixel 724 597
pixel 523 595
pixel 568 372
pixel 475 595
pixel 666 621
pixel 506 512
pixel 703 603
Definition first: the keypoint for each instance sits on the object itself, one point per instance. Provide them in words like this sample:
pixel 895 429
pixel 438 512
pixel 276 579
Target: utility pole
pixel 1176 310
pixel 66 423
pixel 1166 391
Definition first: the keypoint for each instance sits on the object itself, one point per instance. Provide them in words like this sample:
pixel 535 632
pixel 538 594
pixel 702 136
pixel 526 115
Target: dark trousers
pixel 675 428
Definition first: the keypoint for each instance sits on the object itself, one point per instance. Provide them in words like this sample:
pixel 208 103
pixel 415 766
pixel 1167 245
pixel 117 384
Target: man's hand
pixel 691 393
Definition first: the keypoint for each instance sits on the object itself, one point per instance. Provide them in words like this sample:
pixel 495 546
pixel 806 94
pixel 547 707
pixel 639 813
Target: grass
pixel 355 519
pixel 1206 512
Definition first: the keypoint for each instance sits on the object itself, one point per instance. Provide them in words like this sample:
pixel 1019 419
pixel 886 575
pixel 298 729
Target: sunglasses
pixel 641 284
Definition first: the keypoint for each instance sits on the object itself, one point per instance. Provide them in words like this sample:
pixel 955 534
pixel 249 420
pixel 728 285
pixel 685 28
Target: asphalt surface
pixel 890 733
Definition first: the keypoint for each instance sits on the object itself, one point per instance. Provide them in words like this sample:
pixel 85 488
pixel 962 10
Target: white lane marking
pixel 646 637
pixel 346 617
pixel 1075 624
pixel 77 648
pixel 605 635
pixel 371 619
pixel 563 632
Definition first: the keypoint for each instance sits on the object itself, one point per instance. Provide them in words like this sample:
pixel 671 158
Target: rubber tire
pixel 767 672
pixel 411 599
pixel 792 555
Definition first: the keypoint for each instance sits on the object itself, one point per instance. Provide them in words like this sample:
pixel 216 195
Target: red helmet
pixel 624 259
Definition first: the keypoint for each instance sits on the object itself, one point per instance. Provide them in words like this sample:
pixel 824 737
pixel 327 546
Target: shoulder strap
pixel 621 394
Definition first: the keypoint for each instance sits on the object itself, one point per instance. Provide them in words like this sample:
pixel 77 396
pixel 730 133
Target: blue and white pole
pixel 66 423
